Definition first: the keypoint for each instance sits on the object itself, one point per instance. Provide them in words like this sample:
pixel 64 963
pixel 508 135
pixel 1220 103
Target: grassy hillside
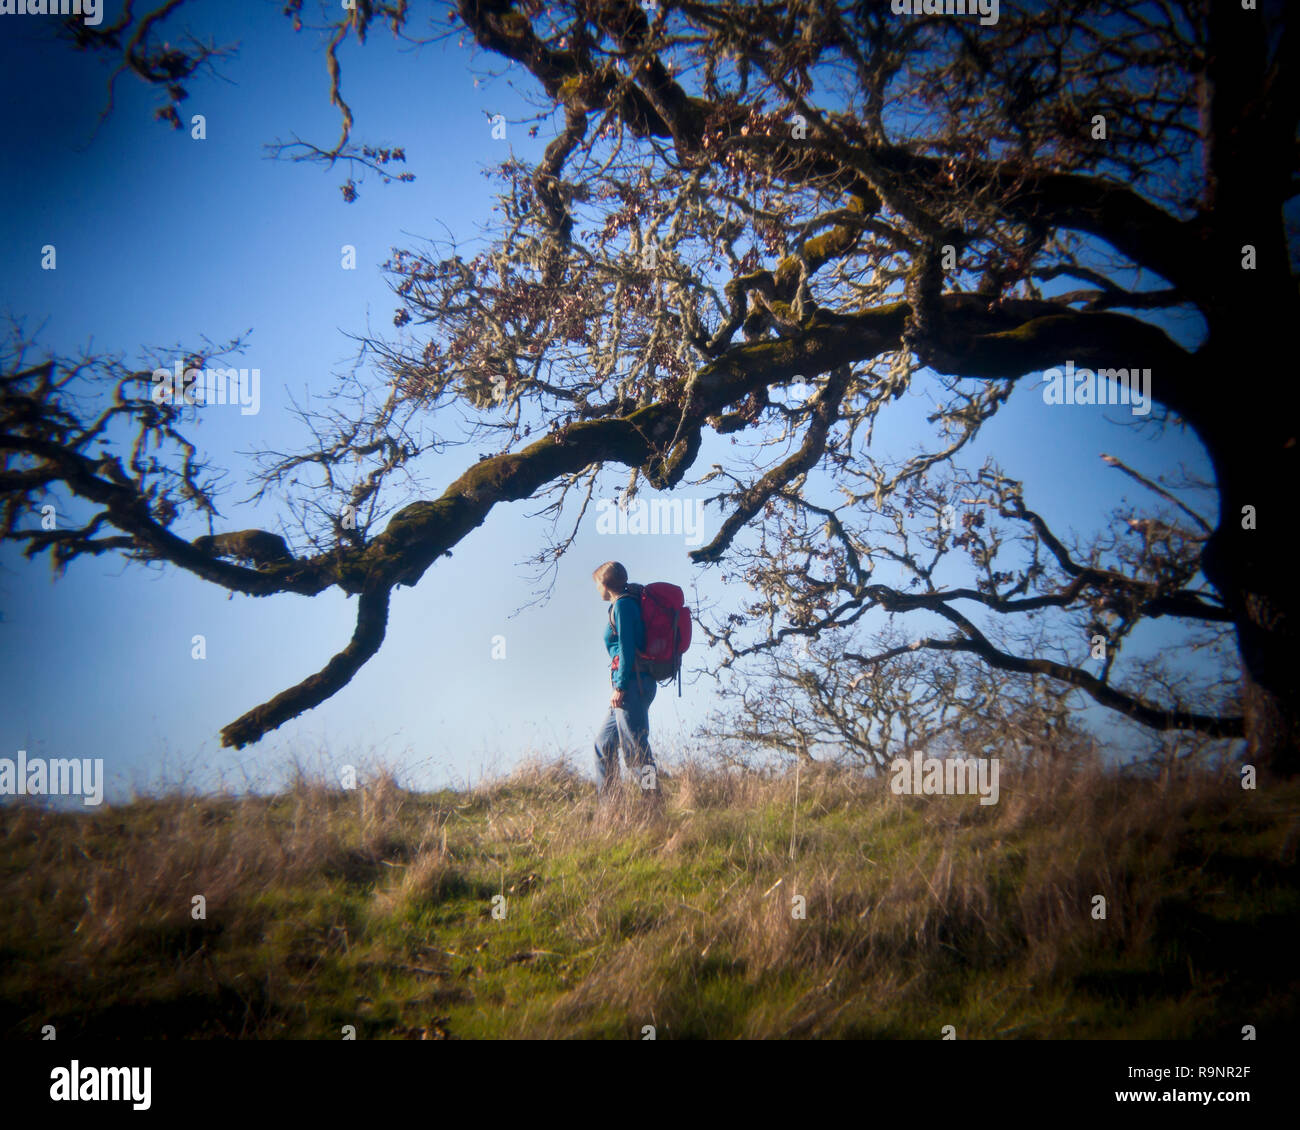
pixel 374 908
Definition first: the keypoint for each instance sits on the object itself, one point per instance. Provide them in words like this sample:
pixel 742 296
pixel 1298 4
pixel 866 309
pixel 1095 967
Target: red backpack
pixel 667 630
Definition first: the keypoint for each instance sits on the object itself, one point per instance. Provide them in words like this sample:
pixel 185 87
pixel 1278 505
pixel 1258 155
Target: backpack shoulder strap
pixel 633 590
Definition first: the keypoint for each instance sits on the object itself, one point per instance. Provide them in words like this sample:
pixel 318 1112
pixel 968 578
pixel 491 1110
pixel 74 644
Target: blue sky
pixel 161 238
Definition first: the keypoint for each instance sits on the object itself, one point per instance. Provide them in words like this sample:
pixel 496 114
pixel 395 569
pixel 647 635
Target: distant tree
pixel 1004 688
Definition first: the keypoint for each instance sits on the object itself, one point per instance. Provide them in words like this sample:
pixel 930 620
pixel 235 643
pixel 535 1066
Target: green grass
pixel 374 909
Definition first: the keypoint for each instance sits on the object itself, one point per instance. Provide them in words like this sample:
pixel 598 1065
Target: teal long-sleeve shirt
pixel 623 639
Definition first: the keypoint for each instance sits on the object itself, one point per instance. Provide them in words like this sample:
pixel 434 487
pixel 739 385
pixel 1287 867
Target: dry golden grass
pixel 375 907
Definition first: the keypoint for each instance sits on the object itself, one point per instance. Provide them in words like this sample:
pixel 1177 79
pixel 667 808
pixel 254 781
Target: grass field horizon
pixel 520 908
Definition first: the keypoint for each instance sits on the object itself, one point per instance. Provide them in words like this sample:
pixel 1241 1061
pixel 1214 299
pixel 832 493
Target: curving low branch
pixel 660 438
pixel 372 625
pixel 976 644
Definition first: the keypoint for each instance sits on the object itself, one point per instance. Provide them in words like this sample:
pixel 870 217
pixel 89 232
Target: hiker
pixel 628 721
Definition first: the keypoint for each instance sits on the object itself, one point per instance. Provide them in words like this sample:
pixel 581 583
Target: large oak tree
pixel 738 197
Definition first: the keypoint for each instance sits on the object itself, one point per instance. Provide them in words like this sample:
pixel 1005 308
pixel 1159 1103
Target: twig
pixel 1195 517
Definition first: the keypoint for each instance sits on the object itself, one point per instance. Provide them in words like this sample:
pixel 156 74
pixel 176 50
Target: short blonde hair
pixel 612 575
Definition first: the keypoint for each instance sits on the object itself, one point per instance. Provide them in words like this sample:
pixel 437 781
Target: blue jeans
pixel 628 726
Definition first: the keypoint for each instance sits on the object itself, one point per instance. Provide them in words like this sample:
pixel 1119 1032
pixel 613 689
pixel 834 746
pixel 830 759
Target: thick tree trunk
pixel 1269 644
pixel 1243 396
pixel 1256 571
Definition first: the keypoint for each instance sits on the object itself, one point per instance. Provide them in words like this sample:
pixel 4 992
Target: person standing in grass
pixel 628 721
